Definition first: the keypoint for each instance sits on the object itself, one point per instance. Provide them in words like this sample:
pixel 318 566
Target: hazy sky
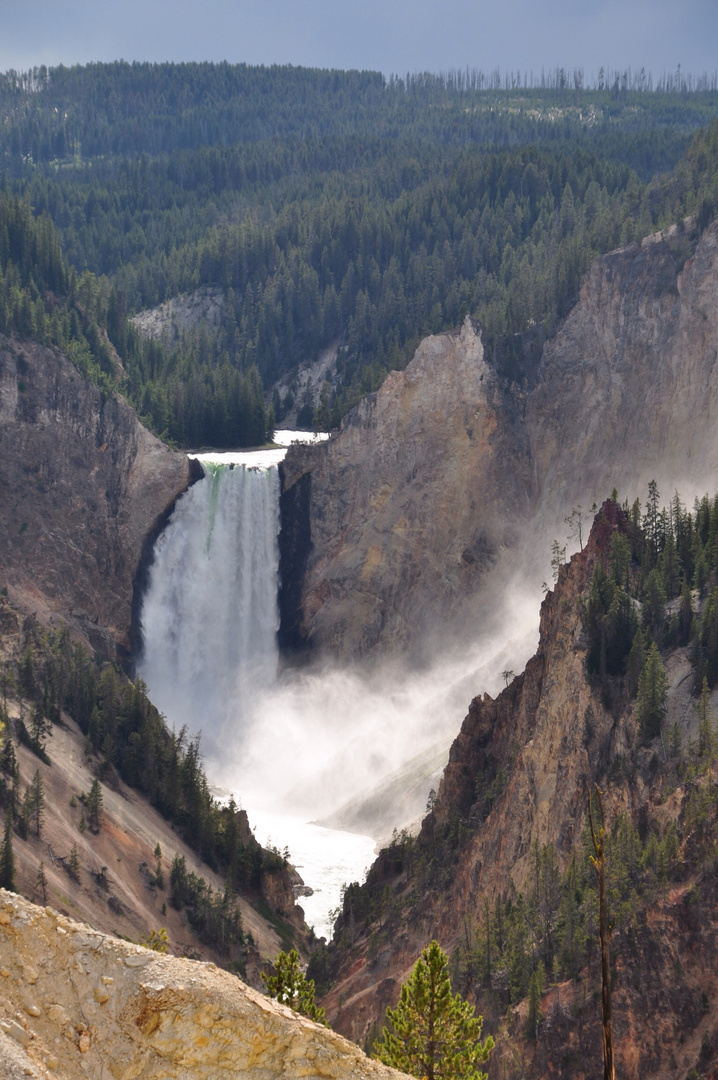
pixel 388 35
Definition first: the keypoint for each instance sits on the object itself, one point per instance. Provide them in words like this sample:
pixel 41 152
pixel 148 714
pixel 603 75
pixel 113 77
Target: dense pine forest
pixel 330 209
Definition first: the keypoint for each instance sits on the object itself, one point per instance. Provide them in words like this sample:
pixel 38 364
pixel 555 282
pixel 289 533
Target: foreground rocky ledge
pixel 76 1003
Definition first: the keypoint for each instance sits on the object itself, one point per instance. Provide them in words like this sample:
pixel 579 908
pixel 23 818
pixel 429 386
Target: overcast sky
pixel 386 35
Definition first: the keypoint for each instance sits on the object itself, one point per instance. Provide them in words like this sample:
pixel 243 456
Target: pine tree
pixel 535 1016
pixel 290 986
pixel 37 802
pixel 605 928
pixel 94 805
pixel 73 864
pixel 39 727
pixel 7 859
pixel 8 758
pixel 651 521
pixel 433 1033
pixel 706 734
pixel 652 698
pixel 636 660
pixel 159 872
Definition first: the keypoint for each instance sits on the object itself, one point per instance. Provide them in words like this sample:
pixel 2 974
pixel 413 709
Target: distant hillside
pixel 336 207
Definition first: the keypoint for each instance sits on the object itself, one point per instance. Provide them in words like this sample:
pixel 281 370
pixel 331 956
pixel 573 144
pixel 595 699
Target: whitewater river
pixel 209 623
pixel 325 858
pixel 294 746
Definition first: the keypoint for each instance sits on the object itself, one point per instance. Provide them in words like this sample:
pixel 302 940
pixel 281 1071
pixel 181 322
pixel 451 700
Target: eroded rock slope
pixel 516 782
pixel 84 489
pixel 77 1003
pixel 446 481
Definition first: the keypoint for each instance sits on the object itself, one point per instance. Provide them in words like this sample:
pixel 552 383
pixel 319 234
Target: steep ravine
pixel 445 482
pixel 534 748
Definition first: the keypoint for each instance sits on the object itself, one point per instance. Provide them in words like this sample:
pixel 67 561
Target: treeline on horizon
pixel 330 208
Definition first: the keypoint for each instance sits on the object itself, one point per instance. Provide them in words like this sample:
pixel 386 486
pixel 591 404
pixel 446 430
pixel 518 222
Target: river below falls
pixel 326 859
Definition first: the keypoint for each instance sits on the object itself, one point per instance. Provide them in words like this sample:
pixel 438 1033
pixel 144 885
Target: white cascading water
pixel 295 748
pixel 209 618
pixel 209 623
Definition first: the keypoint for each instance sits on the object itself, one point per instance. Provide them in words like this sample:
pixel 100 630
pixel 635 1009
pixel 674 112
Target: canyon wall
pixel 517 779
pixel 446 481
pixel 75 1002
pixel 403 513
pixel 85 489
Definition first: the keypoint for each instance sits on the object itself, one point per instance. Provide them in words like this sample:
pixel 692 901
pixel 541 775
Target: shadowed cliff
pixel 85 489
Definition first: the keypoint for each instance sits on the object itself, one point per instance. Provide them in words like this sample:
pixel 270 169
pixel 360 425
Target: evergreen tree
pixel 94 805
pixel 685 615
pixel 635 662
pixel 8 758
pixel 39 727
pixel 7 859
pixel 654 604
pixel 535 1016
pixel 38 801
pixel 178 882
pixel 290 986
pixel 652 521
pixel 706 734
pixel 159 872
pixel 652 698
pixel 433 1033
pixel 27 673
pixel 73 864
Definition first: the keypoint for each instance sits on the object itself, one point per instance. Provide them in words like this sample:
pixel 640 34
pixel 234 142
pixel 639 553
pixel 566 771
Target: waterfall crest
pixel 209 616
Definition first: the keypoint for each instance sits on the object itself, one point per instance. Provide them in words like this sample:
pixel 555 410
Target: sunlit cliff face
pixel 309 740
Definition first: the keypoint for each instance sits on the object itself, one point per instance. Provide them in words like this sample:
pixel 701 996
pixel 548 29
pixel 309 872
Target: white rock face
pixel 176 316
pixel 76 1003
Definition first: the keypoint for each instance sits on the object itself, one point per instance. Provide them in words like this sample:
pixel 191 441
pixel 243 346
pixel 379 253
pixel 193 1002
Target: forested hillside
pixel 335 208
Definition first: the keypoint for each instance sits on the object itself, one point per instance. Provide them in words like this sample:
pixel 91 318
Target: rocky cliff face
pixel 406 510
pixel 445 481
pixel 628 390
pixel 517 778
pixel 533 738
pixel 77 1003
pixel 85 488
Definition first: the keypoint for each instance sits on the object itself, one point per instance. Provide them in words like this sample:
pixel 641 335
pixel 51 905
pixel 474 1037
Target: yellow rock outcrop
pixel 75 1003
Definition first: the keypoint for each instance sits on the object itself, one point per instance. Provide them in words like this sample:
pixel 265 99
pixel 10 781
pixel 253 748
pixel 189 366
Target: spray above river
pixel 295 747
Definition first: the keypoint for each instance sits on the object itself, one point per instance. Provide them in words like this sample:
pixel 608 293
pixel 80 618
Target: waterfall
pixel 209 616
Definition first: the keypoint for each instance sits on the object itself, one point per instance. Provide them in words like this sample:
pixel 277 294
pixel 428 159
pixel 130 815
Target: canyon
pixel 446 483
pixel 515 783
pixel 399 535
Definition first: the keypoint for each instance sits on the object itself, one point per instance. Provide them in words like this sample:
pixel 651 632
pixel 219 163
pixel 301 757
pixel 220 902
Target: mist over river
pixel 295 747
